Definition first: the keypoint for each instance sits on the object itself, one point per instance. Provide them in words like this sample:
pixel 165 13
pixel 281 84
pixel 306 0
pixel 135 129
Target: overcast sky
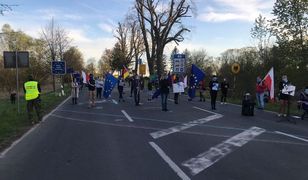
pixel 218 25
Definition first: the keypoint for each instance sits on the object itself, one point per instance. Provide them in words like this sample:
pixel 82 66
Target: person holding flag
pixel 121 85
pixel 197 75
pixel 110 83
pixel 91 88
pixel 260 90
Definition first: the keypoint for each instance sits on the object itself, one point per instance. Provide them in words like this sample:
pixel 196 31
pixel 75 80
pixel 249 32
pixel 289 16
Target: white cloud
pixel 243 10
pixel 106 27
pixel 90 47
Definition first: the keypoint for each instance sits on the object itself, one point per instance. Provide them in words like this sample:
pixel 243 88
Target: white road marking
pixel 292 136
pixel 167 159
pixel 32 129
pixel 98 107
pixel 214 154
pixel 171 100
pixel 114 101
pixel 157 129
pixel 127 116
pixel 195 107
pixel 165 132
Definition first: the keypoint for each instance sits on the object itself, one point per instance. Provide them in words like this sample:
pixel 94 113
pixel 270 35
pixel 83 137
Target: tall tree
pixel 262 33
pixel 5 8
pixel 57 42
pixel 104 62
pixel 290 24
pixel 161 25
pixel 74 59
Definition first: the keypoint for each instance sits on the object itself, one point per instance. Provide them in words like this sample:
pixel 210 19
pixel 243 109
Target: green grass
pixel 13 125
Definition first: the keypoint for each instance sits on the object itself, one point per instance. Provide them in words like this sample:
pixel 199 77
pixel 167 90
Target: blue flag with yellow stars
pixel 110 83
pixel 197 75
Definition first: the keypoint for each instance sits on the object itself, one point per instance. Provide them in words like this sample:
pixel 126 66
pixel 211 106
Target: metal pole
pixel 17 80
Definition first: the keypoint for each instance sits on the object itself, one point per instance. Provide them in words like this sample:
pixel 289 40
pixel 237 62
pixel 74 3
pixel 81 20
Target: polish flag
pixel 269 82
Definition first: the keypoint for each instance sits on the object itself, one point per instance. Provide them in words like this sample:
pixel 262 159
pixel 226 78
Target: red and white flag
pixel 269 82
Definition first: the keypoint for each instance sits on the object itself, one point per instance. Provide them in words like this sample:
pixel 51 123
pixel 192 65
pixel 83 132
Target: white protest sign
pixel 289 90
pixel 178 87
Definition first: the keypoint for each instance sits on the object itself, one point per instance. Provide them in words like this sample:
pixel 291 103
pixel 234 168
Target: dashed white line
pixel 292 136
pixel 167 159
pixel 127 116
pixel 210 157
pixel 165 132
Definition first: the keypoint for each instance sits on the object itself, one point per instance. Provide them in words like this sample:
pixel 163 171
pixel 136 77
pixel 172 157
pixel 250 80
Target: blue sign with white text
pixel 58 67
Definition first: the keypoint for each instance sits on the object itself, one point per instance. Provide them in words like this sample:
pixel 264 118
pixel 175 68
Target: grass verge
pixel 14 125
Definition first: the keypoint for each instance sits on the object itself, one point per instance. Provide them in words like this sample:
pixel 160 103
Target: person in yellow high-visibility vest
pixel 32 92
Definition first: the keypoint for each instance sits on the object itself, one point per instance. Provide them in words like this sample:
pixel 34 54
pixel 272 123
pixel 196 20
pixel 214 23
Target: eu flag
pixel 110 83
pixel 197 75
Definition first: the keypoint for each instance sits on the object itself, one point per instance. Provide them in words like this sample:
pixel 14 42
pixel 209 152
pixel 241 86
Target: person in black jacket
pixel 214 87
pixel 164 91
pixel 284 98
pixel 136 89
pixel 224 91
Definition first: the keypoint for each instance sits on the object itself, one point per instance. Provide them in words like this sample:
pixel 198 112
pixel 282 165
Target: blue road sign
pixel 58 67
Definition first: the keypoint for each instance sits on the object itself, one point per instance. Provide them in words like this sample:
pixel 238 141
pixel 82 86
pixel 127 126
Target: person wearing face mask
pixel 260 89
pixel 284 98
pixel 164 90
pixel 304 102
pixel 214 87
pixel 224 90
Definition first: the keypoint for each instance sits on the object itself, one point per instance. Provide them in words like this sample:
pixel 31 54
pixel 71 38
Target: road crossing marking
pixel 214 154
pixel 167 159
pixel 114 101
pixel 195 107
pixel 292 136
pixel 127 116
pixel 165 132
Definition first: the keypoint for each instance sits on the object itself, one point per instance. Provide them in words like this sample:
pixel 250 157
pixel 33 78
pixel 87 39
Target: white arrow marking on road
pixel 292 136
pixel 127 116
pixel 210 157
pixel 114 101
pixel 165 132
pixel 166 158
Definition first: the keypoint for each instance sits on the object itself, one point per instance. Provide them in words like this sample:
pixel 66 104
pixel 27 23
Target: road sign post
pixel 179 61
pixel 16 59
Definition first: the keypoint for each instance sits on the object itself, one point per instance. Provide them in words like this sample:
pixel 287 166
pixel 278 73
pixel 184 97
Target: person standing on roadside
pixel 150 90
pixel 99 84
pixel 121 84
pixel 214 87
pixel 260 89
pixel 75 91
pixel 224 91
pixel 284 98
pixel 176 95
pixel 164 91
pixel 32 92
pixel 136 88
pixel 202 90
pixel 91 88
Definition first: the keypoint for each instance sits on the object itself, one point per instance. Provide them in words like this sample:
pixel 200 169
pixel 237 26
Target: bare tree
pixel 130 40
pixel 5 7
pixel 161 25
pixel 57 42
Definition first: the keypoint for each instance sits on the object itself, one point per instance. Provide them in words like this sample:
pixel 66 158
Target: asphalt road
pixel 119 141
